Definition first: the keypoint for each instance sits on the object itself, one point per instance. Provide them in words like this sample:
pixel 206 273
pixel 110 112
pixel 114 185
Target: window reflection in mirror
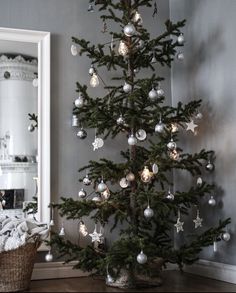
pixel 18 126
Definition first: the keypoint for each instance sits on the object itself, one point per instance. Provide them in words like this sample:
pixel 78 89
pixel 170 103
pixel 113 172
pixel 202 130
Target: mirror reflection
pixel 18 126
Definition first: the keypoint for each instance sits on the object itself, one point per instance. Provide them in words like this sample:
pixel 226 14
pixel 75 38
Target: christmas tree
pixel 136 196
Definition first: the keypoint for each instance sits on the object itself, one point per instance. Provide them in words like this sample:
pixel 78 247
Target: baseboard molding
pixel 213 270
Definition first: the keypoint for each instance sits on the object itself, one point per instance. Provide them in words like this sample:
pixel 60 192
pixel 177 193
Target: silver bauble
pixel 160 92
pixel 141 258
pixel 180 56
pixel 180 39
pixel 31 128
pixel 101 187
pixel 132 140
pixel 74 50
pixel 130 176
pixel 120 120
pixel 171 145
pixel 129 30
pixel 49 257
pixel 212 201
pixel 153 95
pixel 148 213
pixel 87 181
pixel 82 193
pixel 79 102
pixel 82 134
pixel 226 236
pixel 91 70
pixel 127 87
pixel 124 183
pixel 155 168
pixel 159 127
pixel 109 279
pixel 210 166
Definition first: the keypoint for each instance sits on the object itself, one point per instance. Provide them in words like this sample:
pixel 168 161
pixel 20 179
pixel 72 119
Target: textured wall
pixel 208 72
pixel 66 18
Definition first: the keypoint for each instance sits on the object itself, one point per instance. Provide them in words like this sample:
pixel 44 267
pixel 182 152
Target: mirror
pixel 25 123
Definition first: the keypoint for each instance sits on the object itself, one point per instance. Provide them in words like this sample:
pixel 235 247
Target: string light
pixel 146 175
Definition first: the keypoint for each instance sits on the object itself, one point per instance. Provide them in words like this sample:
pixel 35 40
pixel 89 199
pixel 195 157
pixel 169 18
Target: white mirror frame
pixel 42 40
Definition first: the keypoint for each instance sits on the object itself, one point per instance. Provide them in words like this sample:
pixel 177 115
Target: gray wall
pixel 208 72
pixel 66 18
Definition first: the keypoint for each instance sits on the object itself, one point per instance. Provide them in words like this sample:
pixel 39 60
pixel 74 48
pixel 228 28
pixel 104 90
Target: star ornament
pixel 191 126
pixel 96 237
pixel 179 226
pixel 198 222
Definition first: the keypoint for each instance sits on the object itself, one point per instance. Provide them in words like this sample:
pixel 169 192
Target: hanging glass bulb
pixel 106 194
pixel 146 175
pixel 94 81
pixel 174 127
pixel 83 229
pixel 174 155
pixel 123 49
pixel 137 17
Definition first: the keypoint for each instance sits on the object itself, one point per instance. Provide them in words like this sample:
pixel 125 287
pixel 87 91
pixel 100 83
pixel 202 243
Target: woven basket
pixel 16 267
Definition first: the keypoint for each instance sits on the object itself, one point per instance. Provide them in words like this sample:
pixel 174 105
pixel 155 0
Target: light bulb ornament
pixel 94 81
pixel 146 175
pixel 123 49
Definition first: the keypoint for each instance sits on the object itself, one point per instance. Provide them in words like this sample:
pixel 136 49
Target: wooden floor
pixel 173 282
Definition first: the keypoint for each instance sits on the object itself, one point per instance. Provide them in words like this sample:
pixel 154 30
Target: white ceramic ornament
pixel 226 236
pixel 124 183
pixel 35 82
pixel 210 166
pixel 101 186
pixel 31 128
pixel 153 95
pixel 155 168
pixel 141 134
pixel 141 258
pixel 123 49
pixel 180 39
pixel 82 193
pixel 154 60
pixel 109 279
pixel 132 140
pixel 82 134
pixel 3 202
pixel 91 70
pixel 87 180
pixel 74 50
pixel 98 143
pixel 94 81
pixel 127 87
pixel 49 257
pixel 79 102
pixel 62 232
pixel 170 196
pixel 97 198
pixel 199 116
pixel 120 120
pixel 212 201
pixel 129 30
pixel 160 92
pixel 137 17
pixel 199 182
pixel 75 121
pixel 148 213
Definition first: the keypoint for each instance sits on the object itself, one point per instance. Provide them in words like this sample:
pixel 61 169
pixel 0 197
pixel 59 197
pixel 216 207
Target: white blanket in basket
pixel 17 232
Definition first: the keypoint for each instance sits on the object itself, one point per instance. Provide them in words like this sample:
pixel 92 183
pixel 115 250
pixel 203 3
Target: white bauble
pixel 74 50
pixel 101 187
pixel 82 193
pixel 170 196
pixel 87 181
pixel 160 92
pixel 79 102
pixel 148 213
pixel 210 166
pixel 31 128
pixel 159 127
pixel 180 56
pixel 226 236
pixel 141 258
pixel 127 87
pixel 124 183
pixel 180 39
pixel 155 168
pixel 129 30
pixel 141 134
pixel 3 202
pixel 82 134
pixel 35 82
pixel 153 95
pixel 212 201
pixel 132 140
pixel 49 257
pixel 97 198
pixel 130 176
pixel 120 120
